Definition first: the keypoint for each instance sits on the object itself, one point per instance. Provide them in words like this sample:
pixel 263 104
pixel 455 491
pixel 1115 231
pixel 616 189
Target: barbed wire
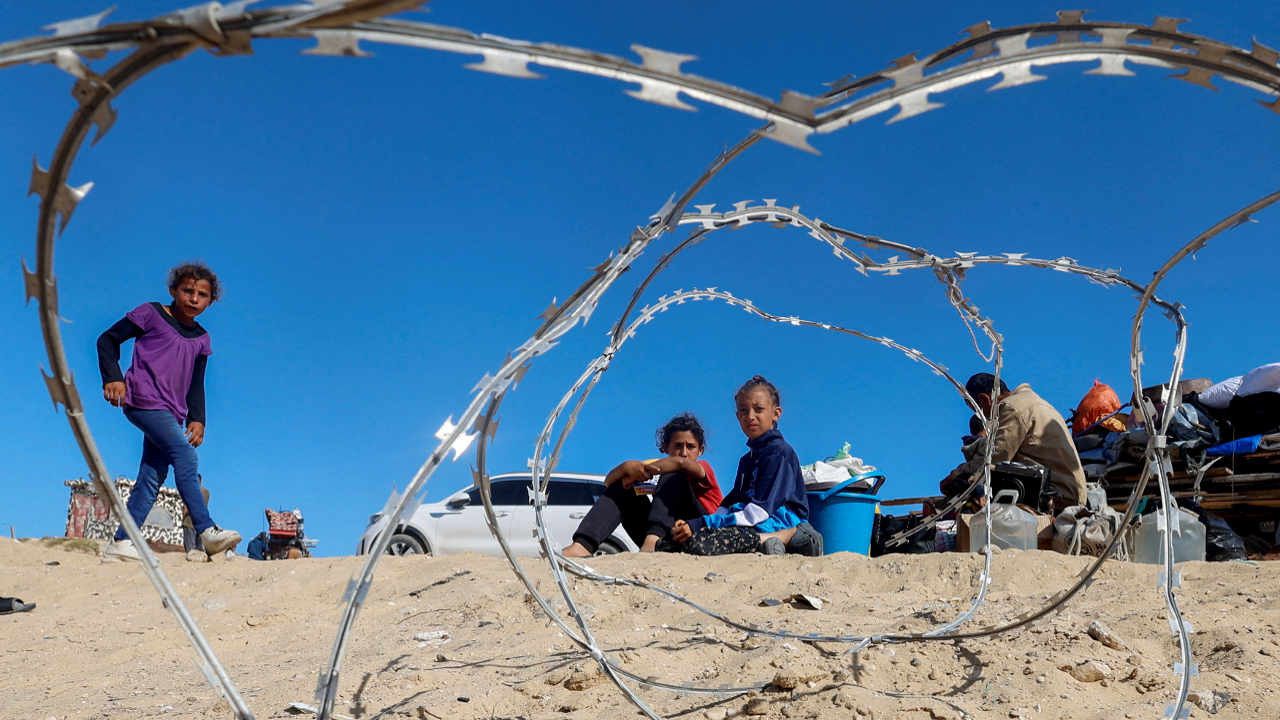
pixel 949 270
pixel 1157 452
pixel 1107 277
pixel 908 86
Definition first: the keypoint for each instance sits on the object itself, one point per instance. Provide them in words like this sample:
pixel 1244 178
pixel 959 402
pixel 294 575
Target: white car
pixel 457 523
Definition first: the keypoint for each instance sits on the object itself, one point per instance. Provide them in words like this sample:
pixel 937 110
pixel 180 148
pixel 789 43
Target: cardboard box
pixel 1044 532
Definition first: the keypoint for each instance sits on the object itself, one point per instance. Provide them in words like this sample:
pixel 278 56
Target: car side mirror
pixel 457 503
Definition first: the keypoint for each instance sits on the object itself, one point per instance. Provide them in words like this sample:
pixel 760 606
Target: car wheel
pixel 609 547
pixel 404 544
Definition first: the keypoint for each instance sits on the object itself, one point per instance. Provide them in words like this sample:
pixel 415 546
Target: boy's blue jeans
pixel 164 444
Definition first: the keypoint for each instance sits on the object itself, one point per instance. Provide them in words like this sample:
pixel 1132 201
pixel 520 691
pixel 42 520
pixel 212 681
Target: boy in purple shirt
pixel 163 389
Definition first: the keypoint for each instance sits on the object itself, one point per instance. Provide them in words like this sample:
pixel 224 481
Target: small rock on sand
pixel 786 680
pixel 584 679
pixel 1103 634
pixel 1211 702
pixel 843 698
pixel 1087 670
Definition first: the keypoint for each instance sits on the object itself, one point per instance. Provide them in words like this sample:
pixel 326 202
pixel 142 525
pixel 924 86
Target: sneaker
pixel 194 555
pixel 215 539
pixel 774 546
pixel 121 550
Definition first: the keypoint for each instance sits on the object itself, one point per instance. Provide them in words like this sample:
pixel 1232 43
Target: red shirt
pixel 706 490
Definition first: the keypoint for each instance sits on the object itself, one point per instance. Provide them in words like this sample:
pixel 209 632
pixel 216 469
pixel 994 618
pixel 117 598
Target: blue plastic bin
pixel 845 519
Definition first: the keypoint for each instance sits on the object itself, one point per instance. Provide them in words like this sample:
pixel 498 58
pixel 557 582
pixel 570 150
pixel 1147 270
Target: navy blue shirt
pixel 768 491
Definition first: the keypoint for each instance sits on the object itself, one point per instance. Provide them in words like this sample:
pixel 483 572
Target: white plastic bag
pixel 835 469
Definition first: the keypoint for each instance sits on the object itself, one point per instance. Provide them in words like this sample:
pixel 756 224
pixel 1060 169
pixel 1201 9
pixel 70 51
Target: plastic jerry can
pixel 1011 526
pixel 1095 497
pixel 1188 544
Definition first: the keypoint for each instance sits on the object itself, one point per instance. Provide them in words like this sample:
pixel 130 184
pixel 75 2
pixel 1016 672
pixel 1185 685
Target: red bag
pixel 1096 404
pixel 282 523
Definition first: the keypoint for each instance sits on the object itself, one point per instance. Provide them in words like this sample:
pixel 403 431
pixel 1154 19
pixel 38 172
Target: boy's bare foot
pixel 575 550
pixel 650 544
pixel 783 535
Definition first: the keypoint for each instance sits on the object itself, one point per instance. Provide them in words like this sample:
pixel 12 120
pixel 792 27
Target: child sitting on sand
pixel 686 488
pixel 767 509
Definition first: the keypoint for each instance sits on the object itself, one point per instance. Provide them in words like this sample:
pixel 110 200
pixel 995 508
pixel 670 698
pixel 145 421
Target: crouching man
pixel 1030 431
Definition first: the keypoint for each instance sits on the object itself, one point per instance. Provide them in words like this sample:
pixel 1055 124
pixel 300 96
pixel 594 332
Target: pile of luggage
pixel 1225 447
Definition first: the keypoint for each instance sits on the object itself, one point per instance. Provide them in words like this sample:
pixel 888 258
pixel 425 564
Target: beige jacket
pixel 1032 431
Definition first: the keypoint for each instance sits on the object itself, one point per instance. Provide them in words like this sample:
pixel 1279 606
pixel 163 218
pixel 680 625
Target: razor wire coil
pixel 908 87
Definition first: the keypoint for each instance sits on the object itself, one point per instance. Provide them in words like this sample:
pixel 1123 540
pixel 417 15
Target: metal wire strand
pixel 909 88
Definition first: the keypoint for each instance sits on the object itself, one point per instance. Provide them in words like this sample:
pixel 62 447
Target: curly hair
pixel 758 381
pixel 683 422
pixel 195 271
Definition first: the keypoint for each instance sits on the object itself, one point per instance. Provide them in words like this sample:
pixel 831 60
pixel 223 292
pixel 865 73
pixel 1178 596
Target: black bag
pixel 886 526
pixel 1030 480
pixel 1221 543
pixel 1255 414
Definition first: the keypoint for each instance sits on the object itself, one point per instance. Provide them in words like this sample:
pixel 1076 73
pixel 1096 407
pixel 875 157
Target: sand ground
pixel 100 645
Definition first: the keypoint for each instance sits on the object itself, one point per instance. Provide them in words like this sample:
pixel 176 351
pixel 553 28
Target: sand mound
pixel 99 644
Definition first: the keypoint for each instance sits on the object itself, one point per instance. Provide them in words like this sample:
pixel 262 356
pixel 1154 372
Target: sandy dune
pixel 99 644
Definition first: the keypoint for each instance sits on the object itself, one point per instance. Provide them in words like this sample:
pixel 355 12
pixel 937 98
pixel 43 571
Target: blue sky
pixel 388 228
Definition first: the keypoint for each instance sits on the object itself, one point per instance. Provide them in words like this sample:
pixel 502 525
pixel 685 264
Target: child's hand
pixel 195 433
pixel 681 531
pixel 113 392
pixel 633 472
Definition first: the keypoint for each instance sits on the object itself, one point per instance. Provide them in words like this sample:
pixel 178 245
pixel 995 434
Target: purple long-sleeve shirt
pixel 167 372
